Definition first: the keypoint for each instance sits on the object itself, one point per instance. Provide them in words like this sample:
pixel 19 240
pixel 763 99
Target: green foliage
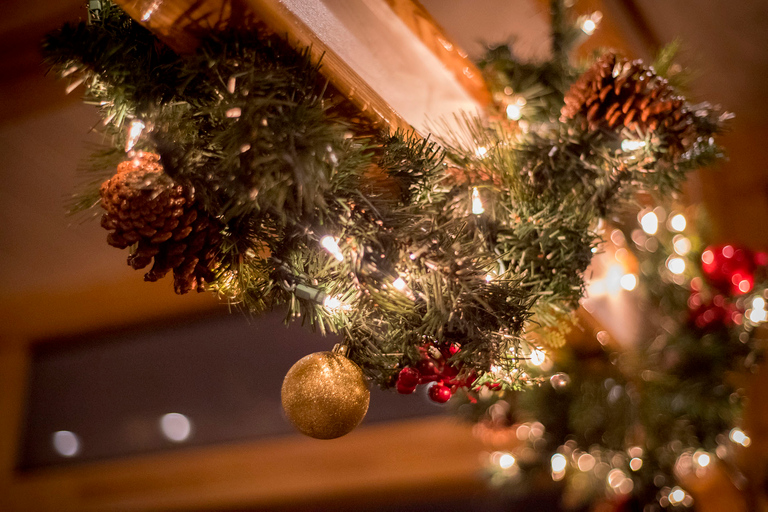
pixel 271 152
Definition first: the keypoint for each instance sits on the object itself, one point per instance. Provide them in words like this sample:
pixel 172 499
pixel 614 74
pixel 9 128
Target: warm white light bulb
pixel 333 303
pixel 681 245
pixel 588 27
pixel 506 461
pixel 330 245
pixel 481 151
pixel 399 284
pixel 134 132
pixel 628 282
pixel 676 265
pixel 677 222
pixel 537 357
pixel 758 303
pixel 650 223
pixel 558 463
pixel 514 112
pixel 477 203
pixel 628 145
pixel 676 496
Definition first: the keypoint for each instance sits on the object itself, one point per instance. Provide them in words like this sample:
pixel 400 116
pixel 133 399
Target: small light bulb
pixel 514 112
pixel 676 265
pixel 399 284
pixel 758 303
pixel 330 245
pixel 628 282
pixel 477 204
pixel 506 461
pixel 702 459
pixel 628 145
pixel 676 496
pixel 739 437
pixel 134 132
pixel 481 151
pixel 681 245
pixel 333 303
pixel 537 357
pixel 558 463
pixel 635 464
pixel 650 223
pixel 677 223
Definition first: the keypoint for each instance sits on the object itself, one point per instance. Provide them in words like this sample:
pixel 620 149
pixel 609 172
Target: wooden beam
pixel 394 458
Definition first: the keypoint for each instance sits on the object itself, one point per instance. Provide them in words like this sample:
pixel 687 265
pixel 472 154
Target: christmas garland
pixel 244 173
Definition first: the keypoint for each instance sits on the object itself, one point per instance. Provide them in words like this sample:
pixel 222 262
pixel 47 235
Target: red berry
pixel 404 389
pixel 408 377
pixel 428 370
pixel 450 371
pixel 440 393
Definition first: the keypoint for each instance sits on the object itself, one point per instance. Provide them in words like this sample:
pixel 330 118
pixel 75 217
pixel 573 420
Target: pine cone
pixel 616 92
pixel 162 220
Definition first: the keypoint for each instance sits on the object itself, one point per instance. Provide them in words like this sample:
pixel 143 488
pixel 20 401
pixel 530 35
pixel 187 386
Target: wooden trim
pixel 434 37
pixel 396 459
pixel 178 24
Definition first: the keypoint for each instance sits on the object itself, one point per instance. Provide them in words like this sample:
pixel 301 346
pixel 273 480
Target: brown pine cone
pixel 162 221
pixel 616 93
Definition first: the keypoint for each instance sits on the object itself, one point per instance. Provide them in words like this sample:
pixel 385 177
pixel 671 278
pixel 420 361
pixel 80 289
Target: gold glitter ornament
pixel 325 395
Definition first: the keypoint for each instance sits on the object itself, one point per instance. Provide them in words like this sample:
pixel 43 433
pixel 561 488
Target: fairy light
pixel 677 495
pixel 399 284
pixel 588 27
pixel 739 437
pixel 477 203
pixel 676 265
pixel 537 357
pixel 134 132
pixel 649 223
pixel 333 303
pixel 677 223
pixel 681 244
pixel 758 314
pixel 702 459
pixel 628 145
pixel 329 244
pixel 514 112
pixel 628 282
pixel 635 464
pixel 150 10
pixel 481 151
pixel 506 461
pixel 558 463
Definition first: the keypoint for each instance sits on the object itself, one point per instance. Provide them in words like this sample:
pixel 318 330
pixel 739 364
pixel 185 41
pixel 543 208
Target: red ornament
pixel 729 268
pixel 440 393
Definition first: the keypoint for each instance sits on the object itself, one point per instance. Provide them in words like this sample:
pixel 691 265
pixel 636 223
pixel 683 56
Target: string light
pixel 506 461
pixel 677 223
pixel 702 458
pixel 757 314
pixel 399 284
pixel 628 145
pixel 481 151
pixel 628 282
pixel 635 464
pixel 589 25
pixel 559 463
pixel 514 112
pixel 329 244
pixel 477 203
pixel 334 303
pixel 739 437
pixel 134 132
pixel 676 265
pixel 681 245
pixel 649 223
pixel 537 357
pixel 677 495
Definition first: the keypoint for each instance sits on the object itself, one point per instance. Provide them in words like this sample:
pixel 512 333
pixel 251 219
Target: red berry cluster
pixel 434 367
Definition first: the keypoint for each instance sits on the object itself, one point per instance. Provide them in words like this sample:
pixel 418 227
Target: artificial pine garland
pixel 431 260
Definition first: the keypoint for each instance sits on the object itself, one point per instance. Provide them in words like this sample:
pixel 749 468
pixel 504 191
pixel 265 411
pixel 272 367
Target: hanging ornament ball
pixel 325 395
